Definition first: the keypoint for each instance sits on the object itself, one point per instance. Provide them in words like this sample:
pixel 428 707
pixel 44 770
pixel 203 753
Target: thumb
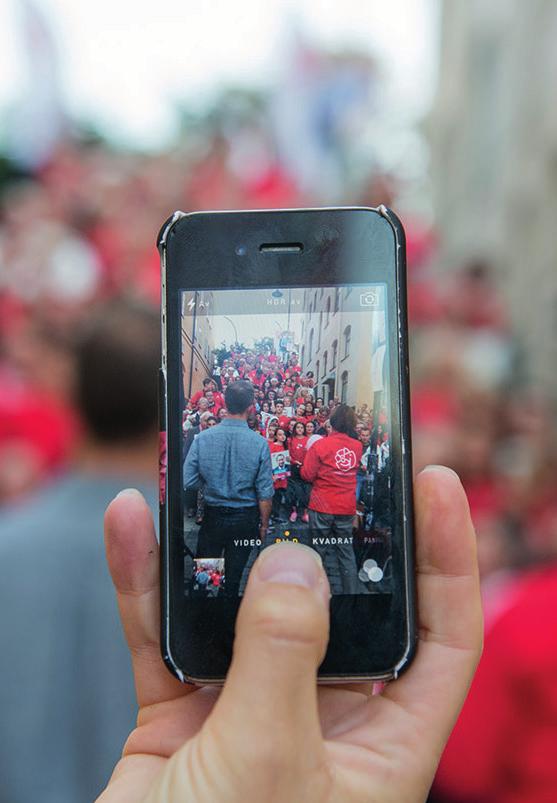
pixel 270 694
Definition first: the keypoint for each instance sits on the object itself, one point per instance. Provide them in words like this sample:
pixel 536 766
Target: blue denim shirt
pixel 233 464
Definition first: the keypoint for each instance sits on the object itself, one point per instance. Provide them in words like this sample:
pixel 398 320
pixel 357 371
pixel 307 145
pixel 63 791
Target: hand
pixel 271 734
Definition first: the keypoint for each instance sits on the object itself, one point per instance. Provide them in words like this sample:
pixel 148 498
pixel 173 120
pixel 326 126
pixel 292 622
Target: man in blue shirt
pixel 233 464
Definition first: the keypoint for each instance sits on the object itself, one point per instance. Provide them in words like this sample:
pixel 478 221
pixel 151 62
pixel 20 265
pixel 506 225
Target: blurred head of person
pixel 252 421
pixel 299 429
pixel 365 436
pixel 344 420
pixel 204 420
pixel 239 398
pixel 116 387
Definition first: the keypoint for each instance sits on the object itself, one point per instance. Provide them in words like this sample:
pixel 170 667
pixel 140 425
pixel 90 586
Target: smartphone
pixel 285 417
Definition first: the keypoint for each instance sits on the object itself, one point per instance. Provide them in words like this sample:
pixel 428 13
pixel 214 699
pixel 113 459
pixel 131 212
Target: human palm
pixel 271 734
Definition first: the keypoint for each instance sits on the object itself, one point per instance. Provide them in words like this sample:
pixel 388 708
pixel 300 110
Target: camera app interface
pixel 285 432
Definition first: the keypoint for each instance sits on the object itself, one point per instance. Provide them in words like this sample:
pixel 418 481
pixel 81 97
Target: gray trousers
pixel 331 537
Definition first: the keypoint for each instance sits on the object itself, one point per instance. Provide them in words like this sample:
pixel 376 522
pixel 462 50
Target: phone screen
pixel 313 446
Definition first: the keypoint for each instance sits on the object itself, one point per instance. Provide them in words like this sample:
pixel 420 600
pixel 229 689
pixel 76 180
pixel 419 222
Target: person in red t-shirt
pixel 298 491
pixel 208 384
pixel 331 465
pixel 283 420
pixel 309 411
pixel 301 413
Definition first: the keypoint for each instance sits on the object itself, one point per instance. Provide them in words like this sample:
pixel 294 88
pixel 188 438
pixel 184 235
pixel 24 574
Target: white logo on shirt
pixel 345 459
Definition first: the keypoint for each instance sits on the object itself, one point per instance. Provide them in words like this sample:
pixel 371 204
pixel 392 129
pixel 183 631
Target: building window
pixel 328 313
pixel 344 387
pixel 335 349
pixel 325 357
pixel 302 356
pixel 347 336
pixel 309 312
pixel 320 327
pixel 337 299
pixel 317 373
pixel 315 301
pixel 310 346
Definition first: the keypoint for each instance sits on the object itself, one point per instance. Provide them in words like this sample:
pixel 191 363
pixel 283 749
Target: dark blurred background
pixel 114 115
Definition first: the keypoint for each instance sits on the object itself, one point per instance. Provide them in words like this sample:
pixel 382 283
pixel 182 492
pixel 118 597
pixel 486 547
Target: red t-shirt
pixel 298 449
pixel 331 465
pixel 502 749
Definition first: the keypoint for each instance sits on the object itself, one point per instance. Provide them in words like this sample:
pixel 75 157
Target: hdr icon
pixel 282 302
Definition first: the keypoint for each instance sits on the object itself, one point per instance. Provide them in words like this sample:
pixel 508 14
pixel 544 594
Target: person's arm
pixel 264 488
pixel 265 506
pixel 191 466
pixel 310 467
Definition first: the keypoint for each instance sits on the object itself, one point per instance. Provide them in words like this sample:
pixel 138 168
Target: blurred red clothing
pixel 503 747
pixel 434 406
pixel 486 496
pixel 37 419
pixel 284 422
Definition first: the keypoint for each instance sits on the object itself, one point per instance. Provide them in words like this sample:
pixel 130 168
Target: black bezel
pixel 372 636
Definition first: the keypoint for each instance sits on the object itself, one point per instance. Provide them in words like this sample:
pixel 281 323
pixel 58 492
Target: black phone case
pixel 406 458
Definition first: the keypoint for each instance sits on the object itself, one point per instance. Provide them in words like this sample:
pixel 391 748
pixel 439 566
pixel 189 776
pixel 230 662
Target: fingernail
pixel 128 492
pixel 446 469
pixel 293 564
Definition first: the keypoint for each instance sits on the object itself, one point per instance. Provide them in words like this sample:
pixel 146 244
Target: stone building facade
pixel 493 136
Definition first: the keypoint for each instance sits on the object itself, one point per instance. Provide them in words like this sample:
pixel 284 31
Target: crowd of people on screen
pixel 292 416
pixel 208 577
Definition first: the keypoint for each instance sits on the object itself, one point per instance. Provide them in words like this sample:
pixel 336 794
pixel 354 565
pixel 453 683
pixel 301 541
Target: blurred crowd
pixel 80 232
